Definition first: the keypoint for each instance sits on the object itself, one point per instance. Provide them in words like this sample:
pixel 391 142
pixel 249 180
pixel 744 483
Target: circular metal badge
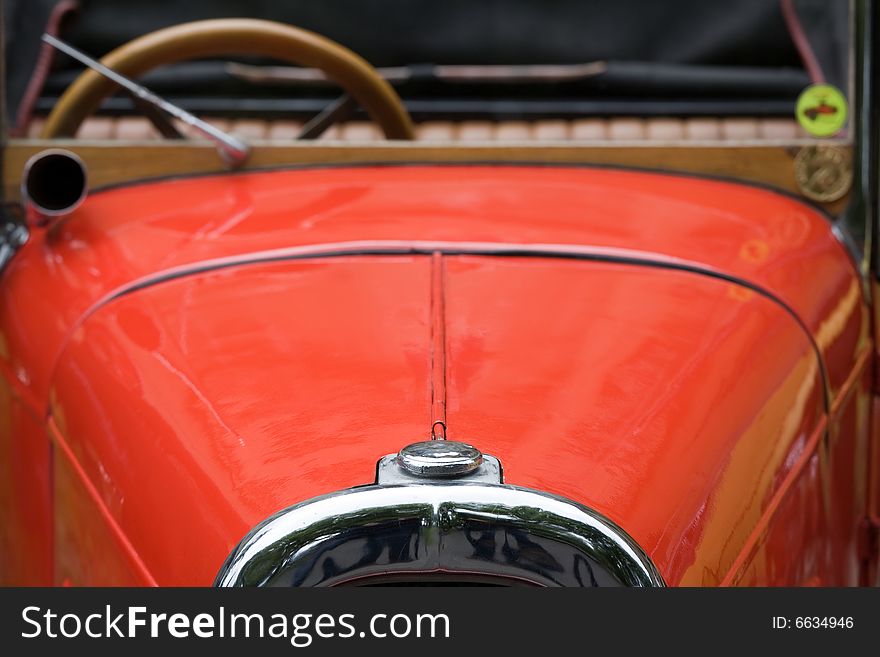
pixel 439 458
pixel 823 173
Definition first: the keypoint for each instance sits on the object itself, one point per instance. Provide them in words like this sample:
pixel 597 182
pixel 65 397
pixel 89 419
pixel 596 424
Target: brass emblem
pixel 823 173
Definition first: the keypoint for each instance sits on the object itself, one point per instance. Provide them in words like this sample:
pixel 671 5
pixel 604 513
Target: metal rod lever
pixel 339 110
pixel 233 150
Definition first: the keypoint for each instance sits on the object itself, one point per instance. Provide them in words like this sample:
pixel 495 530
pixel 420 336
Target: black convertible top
pixel 657 50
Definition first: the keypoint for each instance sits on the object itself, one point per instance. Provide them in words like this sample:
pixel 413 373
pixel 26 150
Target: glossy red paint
pixel 25 495
pixel 320 368
pixel 249 388
pixel 90 548
pixel 120 235
pixel 650 416
pixel 687 408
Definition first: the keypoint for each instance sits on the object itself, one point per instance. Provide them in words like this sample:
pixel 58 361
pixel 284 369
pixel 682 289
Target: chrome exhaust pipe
pixel 54 183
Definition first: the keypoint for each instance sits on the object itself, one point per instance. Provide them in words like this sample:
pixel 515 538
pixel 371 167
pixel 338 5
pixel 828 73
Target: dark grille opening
pixel 438 580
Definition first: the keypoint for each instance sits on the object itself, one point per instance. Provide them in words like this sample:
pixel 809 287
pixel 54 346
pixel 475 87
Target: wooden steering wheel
pixel 234 36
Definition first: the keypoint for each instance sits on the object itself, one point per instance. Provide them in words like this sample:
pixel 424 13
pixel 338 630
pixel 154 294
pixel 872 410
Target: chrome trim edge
pixel 13 236
pixel 450 528
pixel 43 211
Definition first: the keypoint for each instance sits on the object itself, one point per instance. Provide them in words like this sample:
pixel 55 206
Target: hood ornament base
pixel 439 458
pixel 438 461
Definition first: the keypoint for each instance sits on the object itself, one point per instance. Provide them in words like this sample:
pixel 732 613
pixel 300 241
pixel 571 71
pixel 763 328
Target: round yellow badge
pixel 821 110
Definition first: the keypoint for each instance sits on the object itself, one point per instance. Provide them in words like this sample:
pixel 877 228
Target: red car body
pixel 691 358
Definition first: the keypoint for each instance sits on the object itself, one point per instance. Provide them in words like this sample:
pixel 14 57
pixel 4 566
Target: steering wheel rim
pixel 234 36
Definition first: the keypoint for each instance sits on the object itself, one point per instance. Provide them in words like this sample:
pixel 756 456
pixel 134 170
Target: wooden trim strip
pixel 115 162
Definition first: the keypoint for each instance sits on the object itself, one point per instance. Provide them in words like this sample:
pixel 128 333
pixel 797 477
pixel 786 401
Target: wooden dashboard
pixel 115 162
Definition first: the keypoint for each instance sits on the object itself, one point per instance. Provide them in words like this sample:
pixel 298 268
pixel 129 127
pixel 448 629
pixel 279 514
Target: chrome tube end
pixel 54 183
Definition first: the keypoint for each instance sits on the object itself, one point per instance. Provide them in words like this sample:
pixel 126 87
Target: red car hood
pixel 667 400
pixel 648 345
pixel 122 237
